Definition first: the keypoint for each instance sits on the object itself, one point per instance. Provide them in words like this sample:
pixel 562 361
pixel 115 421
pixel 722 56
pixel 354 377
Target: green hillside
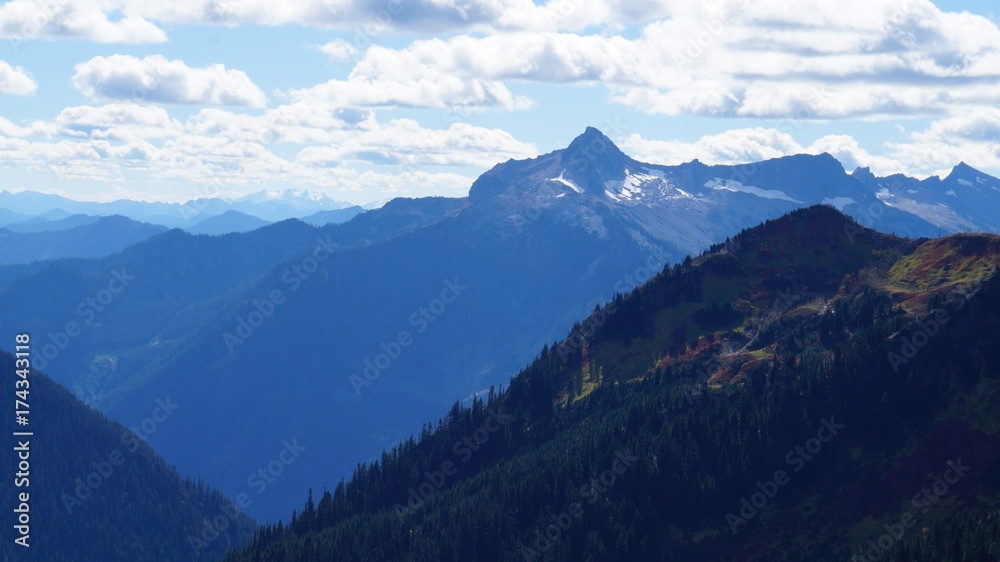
pixel 772 399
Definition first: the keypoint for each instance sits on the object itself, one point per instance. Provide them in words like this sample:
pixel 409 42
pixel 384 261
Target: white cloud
pixel 311 145
pixel 22 20
pixel 339 50
pixel 117 121
pixel 411 78
pixel 16 80
pixel 858 58
pixel 737 146
pixel 765 58
pixel 974 123
pixel 369 18
pixel 741 146
pixel 469 71
pixel 846 149
pixel 403 142
pixel 933 151
pixel 156 79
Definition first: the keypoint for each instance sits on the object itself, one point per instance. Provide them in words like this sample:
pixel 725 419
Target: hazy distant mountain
pixel 228 222
pixel 336 216
pixel 290 203
pixel 267 205
pixel 99 238
pixel 8 217
pixel 43 224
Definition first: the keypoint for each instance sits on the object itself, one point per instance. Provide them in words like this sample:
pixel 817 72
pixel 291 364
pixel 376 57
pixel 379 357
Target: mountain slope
pixel 226 223
pixel 757 403
pixel 432 285
pixel 42 224
pixel 337 216
pixel 97 239
pixel 96 491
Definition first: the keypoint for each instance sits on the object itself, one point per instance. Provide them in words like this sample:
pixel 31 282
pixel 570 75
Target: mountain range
pixel 267 205
pixel 800 392
pixel 348 337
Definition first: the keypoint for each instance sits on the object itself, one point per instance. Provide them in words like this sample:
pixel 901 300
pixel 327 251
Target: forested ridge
pixel 98 492
pixel 648 433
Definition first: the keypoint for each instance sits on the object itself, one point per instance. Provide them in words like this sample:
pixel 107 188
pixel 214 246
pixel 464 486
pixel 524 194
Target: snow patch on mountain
pixel 720 184
pixel 966 183
pixel 566 182
pixel 952 192
pixel 839 202
pixel 628 188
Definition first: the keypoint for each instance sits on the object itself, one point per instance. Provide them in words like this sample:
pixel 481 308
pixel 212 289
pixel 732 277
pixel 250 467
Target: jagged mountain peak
pixel 592 159
pixel 583 167
pixel 594 141
pixel 964 171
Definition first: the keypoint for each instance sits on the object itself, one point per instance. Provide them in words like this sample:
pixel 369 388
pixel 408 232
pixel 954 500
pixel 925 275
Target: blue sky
pixel 380 98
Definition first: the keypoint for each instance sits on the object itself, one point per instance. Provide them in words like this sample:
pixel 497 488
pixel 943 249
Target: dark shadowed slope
pixel 96 490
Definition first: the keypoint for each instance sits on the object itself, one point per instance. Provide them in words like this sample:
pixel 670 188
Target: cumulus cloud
pixel 339 50
pixel 974 123
pixel 116 121
pixel 405 143
pixel 736 58
pixel 470 71
pixel 933 151
pixel 22 20
pixel 737 146
pixel 858 58
pixel 741 146
pixel 312 145
pixel 156 79
pixel 368 18
pixel 846 149
pixel 16 81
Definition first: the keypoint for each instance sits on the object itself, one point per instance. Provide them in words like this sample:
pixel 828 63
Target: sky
pixel 365 100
